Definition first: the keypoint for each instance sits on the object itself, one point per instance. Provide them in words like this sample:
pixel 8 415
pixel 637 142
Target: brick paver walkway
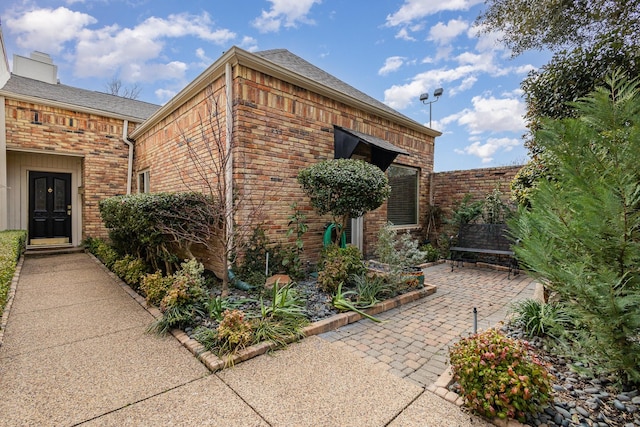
pixel 413 341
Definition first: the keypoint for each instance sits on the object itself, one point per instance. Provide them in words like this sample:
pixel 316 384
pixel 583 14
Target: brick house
pixel 275 111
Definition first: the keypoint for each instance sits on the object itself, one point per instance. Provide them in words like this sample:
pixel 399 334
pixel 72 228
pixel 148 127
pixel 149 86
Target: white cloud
pixel 165 94
pixel 443 33
pixel 403 34
pixel 249 43
pixel 491 114
pixel 491 146
pixel 130 53
pixel 284 12
pixel 134 51
pixel 47 30
pixel 413 10
pixel 391 64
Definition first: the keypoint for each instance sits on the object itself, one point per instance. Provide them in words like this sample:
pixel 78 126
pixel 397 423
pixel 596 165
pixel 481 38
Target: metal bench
pixel 488 239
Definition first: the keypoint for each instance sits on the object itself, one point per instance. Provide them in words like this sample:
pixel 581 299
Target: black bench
pixel 489 239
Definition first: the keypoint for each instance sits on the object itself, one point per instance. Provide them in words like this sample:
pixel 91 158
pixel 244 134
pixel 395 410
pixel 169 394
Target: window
pixel 143 181
pixel 402 206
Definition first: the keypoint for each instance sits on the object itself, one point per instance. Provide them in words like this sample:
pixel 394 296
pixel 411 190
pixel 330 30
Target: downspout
pixel 125 139
pixel 229 146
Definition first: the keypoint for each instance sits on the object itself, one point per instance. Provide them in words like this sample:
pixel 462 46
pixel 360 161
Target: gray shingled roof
pixel 110 104
pixel 291 62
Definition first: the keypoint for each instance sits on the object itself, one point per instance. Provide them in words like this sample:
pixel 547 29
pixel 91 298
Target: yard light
pixel 425 96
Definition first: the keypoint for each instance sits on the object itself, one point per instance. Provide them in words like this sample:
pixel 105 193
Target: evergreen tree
pixel 581 235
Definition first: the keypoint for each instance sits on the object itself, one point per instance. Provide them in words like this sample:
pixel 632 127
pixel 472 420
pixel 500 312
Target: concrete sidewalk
pixel 75 352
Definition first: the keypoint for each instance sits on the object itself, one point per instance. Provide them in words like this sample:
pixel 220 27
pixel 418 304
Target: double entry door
pixel 49 208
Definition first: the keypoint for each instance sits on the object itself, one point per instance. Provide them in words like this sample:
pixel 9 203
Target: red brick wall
pixel 279 129
pixel 449 188
pixel 60 131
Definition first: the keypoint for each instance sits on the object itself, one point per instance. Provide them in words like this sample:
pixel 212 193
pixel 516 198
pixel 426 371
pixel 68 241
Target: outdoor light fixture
pixel 425 96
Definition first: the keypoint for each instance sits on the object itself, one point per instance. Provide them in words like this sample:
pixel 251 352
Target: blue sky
pixel 391 50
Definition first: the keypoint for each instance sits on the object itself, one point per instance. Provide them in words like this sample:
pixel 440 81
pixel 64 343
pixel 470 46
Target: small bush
pixel 537 318
pixel 155 287
pixel 187 286
pixel 12 245
pixel 499 376
pixel 234 332
pixel 184 299
pixel 432 254
pixel 131 270
pixel 102 250
pixel 338 265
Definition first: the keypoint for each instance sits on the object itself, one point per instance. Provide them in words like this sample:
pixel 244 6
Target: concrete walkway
pixel 75 352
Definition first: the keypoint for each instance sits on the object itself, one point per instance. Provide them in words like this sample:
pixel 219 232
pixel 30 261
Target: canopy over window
pixel 347 142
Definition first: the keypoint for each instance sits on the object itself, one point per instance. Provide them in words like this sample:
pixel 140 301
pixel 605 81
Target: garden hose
pixel 237 283
pixel 327 239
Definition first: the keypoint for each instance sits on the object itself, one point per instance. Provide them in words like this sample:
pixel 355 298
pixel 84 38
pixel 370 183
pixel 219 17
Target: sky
pixel 393 50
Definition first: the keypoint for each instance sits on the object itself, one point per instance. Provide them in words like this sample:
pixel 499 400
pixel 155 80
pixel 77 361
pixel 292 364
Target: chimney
pixel 38 67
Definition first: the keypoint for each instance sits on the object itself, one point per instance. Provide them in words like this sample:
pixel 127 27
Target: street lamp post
pixel 425 96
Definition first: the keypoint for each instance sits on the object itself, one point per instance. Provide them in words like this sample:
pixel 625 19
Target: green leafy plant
pixel 234 332
pixel 342 302
pixel 580 236
pixel 371 289
pixel 279 331
pixel 338 265
pixel 130 269
pixel 12 244
pixel 103 251
pixel 185 298
pixel 398 251
pixel 155 287
pixel 215 306
pixel 432 253
pixel 499 377
pixel 541 319
pixel 285 303
pixel 344 188
pixel 292 257
pixel 206 336
pixel 494 209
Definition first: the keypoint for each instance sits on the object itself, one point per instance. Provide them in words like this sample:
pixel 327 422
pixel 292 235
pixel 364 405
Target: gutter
pixel 125 139
pixel 229 149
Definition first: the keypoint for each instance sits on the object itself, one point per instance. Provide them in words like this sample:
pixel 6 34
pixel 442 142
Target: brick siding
pixel 98 139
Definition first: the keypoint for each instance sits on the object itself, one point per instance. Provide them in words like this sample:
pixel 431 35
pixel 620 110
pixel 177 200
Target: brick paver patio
pixel 414 339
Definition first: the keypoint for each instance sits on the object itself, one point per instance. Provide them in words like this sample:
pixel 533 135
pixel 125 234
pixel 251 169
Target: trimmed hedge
pixel 152 226
pixel 12 244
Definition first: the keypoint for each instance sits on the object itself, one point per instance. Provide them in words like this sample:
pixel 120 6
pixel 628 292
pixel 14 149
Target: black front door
pixel 49 208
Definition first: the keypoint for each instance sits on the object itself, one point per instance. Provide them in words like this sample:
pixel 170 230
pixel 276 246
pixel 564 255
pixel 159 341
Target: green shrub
pixel 154 226
pixel 338 265
pixel 537 318
pixel 499 376
pixel 371 289
pixel 344 188
pixel 12 244
pixel 102 250
pixel 432 253
pixel 184 300
pixel 580 235
pixel 234 332
pixel 131 270
pixel 155 287
pixel 398 251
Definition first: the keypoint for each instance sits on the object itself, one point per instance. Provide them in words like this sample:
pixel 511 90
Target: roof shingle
pixel 110 104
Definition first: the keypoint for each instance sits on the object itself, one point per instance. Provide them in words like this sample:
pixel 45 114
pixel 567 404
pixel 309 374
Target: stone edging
pixel 10 295
pixel 214 363
pixel 441 389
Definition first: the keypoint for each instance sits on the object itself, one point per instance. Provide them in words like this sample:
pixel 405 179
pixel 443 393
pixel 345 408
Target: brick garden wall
pixel 449 188
pixel 98 139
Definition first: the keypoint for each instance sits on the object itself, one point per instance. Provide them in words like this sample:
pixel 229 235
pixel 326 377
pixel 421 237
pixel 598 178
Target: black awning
pixel 346 141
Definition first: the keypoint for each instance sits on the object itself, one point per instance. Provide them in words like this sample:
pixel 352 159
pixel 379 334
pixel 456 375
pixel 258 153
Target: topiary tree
pixel 344 188
pixel 581 235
